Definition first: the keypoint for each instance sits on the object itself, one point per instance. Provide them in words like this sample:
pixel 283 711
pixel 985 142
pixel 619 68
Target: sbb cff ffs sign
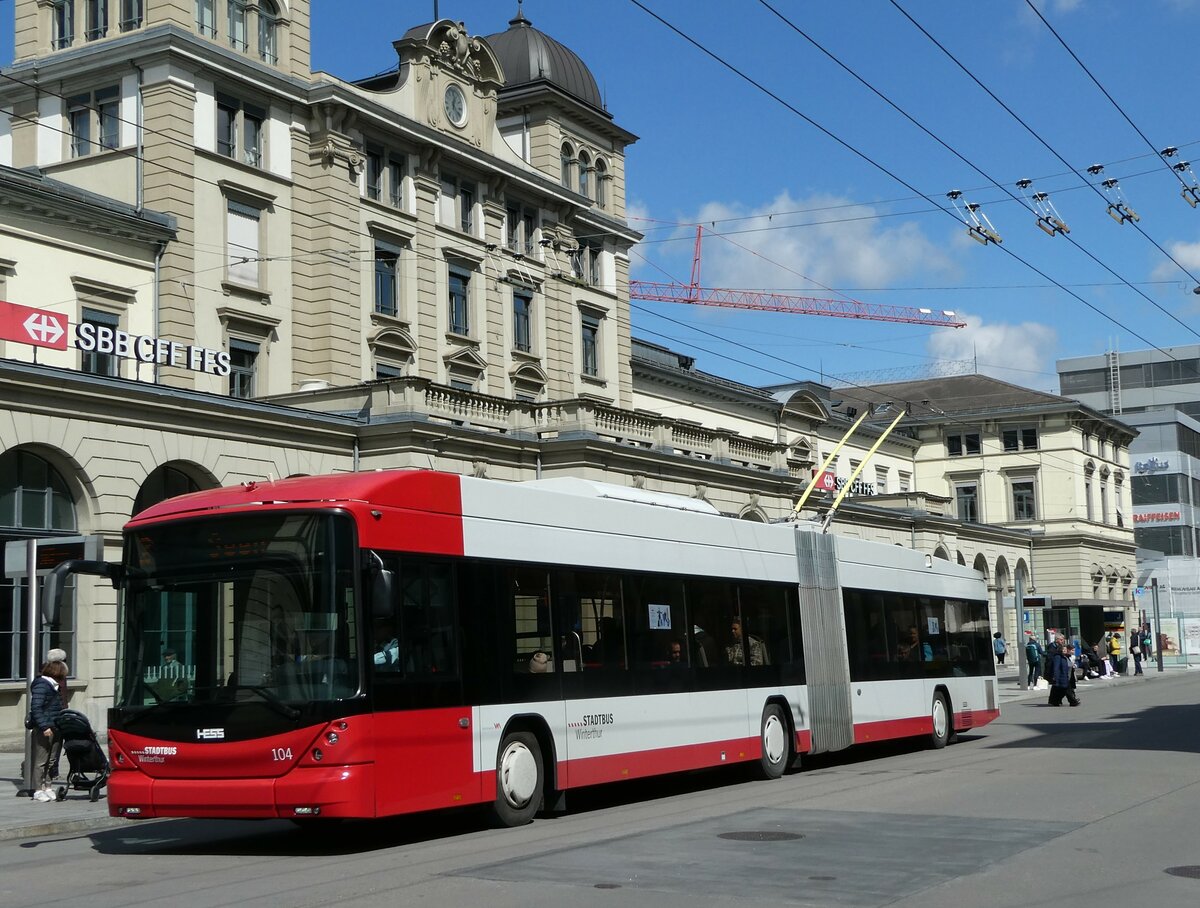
pixel 43 328
pixel 38 327
pixel 825 482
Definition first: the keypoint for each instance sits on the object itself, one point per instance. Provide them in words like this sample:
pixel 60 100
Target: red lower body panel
pixel 916 726
pixel 337 791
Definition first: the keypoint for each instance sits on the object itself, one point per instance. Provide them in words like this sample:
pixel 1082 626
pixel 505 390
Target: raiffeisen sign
pixel 91 338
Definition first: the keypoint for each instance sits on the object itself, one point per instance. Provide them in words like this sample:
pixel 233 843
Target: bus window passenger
pixel 675 653
pixel 735 653
pixel 387 647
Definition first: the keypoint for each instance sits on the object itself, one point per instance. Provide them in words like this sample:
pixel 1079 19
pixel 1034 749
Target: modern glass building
pixel 1158 393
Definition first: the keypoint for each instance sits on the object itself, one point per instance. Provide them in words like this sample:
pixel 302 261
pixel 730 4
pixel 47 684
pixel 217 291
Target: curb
pixel 60 827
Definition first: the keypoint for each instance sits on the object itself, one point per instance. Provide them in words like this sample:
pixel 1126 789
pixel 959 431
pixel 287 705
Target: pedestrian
pixel 1033 655
pixel 1114 651
pixel 1062 683
pixel 999 646
pixel 56 654
pixel 45 703
pixel 1135 650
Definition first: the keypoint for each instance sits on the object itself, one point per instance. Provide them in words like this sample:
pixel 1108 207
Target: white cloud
pixel 841 243
pixel 1058 7
pixel 1187 254
pixel 1022 354
pixel 638 215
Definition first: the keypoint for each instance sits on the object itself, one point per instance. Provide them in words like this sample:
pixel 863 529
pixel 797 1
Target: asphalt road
pixel 1092 806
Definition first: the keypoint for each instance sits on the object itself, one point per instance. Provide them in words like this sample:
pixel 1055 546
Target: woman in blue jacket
pixel 45 702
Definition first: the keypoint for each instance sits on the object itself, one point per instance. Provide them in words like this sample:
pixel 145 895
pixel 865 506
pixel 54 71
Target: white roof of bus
pixel 573 485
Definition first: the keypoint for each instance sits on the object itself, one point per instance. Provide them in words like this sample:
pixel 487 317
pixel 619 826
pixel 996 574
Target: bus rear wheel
pixel 519 779
pixel 775 748
pixel 942 727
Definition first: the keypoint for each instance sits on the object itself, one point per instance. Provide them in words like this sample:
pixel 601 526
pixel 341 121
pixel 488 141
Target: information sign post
pixel 29 560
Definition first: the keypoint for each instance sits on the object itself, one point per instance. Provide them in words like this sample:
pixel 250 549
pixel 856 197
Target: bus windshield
pixel 240 608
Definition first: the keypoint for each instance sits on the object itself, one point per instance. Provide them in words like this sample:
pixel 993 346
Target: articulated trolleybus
pixel 373 644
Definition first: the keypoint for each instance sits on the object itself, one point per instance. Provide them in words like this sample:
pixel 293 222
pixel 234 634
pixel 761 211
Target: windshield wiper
pixel 159 703
pixel 272 699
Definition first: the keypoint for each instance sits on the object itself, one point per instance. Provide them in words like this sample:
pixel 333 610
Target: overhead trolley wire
pixel 1104 91
pixel 972 165
pixel 1034 133
pixel 865 157
pixel 843 390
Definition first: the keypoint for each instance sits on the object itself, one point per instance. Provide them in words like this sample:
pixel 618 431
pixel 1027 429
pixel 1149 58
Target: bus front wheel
pixel 775 749
pixel 942 728
pixel 519 779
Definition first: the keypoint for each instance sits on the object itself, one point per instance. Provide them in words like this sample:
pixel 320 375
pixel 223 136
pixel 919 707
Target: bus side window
pixel 655 621
pixel 711 606
pixel 533 638
pixel 588 611
pixel 427 644
pixel 763 608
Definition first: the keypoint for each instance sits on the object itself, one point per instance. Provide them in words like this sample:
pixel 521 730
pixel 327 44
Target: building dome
pixel 529 56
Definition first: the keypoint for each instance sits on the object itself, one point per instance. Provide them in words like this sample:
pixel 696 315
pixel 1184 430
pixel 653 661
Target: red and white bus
pixel 372 644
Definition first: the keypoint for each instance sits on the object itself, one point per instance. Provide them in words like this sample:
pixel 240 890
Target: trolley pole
pixel 1158 635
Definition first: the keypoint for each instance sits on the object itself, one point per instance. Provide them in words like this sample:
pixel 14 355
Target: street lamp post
pixel 1157 625
pixel 1019 603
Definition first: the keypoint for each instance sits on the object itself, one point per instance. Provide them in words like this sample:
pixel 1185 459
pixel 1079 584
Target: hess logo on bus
pixel 210 734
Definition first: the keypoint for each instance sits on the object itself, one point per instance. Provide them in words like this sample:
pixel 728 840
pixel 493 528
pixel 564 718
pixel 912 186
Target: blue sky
pixel 717 150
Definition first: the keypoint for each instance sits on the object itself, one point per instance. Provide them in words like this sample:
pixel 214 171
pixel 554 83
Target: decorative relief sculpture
pixel 461 50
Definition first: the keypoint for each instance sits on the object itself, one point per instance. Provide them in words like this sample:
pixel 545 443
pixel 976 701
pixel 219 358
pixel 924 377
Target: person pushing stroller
pixel 45 703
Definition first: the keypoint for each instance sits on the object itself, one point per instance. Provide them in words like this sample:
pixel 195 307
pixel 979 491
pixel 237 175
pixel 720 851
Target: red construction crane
pixel 675 292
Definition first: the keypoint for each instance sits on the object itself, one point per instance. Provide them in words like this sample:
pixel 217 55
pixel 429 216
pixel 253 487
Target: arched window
pixel 268 32
pixel 165 482
pixel 33 495
pixel 601 183
pixel 566 158
pixel 34 500
pixel 585 168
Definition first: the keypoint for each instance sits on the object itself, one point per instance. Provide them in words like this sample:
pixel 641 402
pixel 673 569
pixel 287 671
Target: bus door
pixel 424 738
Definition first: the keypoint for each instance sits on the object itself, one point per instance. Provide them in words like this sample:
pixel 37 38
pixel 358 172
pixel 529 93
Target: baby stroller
pixel 88 764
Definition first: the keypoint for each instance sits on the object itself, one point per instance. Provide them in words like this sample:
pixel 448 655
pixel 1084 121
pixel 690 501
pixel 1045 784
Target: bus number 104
pixel 281 753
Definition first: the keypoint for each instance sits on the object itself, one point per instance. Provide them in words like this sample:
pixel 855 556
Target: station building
pixel 254 271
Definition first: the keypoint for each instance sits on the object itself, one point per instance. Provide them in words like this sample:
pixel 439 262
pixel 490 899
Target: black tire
pixel 94 793
pixel 776 748
pixel 520 779
pixel 943 721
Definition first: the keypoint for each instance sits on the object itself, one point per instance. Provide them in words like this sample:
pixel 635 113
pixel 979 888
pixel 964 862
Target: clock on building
pixel 456 105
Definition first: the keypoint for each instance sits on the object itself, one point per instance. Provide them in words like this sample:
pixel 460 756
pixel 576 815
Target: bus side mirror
pixel 383 593
pixel 56 583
